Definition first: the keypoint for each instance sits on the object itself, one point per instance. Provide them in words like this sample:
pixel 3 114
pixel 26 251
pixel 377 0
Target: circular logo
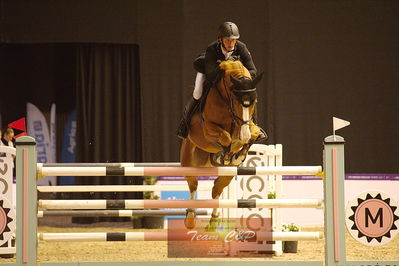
pixel 7 220
pixel 372 218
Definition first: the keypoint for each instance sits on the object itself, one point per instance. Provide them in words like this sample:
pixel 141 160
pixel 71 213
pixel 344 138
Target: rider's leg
pixel 191 106
pixel 199 85
pixel 262 136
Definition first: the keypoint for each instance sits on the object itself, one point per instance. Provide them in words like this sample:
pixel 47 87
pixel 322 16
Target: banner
pixel 68 147
pixel 37 128
pixel 53 140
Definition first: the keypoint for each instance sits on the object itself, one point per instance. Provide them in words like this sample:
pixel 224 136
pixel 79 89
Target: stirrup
pixel 262 136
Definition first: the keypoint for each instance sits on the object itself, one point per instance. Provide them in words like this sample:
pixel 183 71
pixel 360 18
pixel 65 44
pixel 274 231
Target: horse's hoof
pixel 238 159
pixel 217 159
pixel 190 219
pixel 213 223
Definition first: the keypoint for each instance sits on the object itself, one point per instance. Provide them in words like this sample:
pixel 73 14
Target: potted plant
pixel 271 195
pixel 151 222
pixel 290 246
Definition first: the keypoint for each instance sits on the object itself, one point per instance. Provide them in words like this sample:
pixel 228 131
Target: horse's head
pixel 239 83
pixel 238 87
pixel 244 89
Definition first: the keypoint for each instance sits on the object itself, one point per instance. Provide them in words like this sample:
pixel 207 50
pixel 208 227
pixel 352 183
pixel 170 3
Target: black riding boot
pixel 189 111
pixel 262 136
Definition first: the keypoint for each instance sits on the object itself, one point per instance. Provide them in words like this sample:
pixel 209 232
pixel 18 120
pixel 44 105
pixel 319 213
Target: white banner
pixel 53 140
pixel 37 128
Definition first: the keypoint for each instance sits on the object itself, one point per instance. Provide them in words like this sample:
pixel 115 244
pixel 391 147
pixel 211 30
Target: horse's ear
pixel 235 80
pixel 257 79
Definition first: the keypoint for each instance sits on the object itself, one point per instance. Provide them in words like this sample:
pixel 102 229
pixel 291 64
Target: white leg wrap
pixel 199 84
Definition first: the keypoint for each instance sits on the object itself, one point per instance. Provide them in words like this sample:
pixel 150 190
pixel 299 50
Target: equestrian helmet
pixel 228 30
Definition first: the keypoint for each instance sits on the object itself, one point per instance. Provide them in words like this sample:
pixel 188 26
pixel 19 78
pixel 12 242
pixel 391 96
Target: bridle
pixel 230 102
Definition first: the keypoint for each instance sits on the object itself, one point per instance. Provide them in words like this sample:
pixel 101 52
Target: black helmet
pixel 229 30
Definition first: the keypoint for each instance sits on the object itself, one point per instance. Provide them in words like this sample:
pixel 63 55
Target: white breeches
pixel 199 85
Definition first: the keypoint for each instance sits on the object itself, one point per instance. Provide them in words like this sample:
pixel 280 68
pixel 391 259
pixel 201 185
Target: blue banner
pixel 69 147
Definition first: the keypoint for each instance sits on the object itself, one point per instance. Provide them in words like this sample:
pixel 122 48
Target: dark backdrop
pixel 321 59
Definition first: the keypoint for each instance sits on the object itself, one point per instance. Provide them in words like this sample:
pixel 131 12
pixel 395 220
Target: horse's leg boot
pixel 189 111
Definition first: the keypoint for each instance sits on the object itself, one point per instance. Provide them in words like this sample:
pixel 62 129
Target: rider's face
pixel 229 44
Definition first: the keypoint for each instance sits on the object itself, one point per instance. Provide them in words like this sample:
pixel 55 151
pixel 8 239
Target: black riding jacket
pixel 214 55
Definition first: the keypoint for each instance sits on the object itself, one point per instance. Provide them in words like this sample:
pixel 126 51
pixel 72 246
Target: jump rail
pixel 127 164
pixel 163 236
pixel 118 213
pixel 152 204
pixel 117 188
pixel 179 171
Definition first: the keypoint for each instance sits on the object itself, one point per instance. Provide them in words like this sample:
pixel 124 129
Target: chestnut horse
pixel 224 132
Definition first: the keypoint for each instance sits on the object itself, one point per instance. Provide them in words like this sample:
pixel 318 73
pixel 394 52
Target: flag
pixel 339 123
pixel 19 125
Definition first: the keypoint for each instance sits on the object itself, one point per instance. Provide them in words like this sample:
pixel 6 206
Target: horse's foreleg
pixel 190 213
pixel 220 183
pixel 213 133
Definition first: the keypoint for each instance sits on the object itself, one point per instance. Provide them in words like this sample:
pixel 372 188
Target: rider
pixel 227 47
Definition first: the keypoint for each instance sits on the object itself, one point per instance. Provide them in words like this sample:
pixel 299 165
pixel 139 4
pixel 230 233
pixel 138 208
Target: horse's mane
pixel 235 68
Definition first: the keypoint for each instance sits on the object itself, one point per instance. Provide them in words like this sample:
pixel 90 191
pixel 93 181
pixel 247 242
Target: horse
pixel 223 132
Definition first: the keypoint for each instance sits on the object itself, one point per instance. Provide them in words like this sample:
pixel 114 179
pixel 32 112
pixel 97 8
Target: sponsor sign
pixel 372 218
pixel 216 239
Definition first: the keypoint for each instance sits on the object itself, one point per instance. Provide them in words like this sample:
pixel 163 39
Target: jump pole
pixel 120 188
pixel 155 204
pixel 178 171
pixel 164 236
pixel 117 213
pixel 333 230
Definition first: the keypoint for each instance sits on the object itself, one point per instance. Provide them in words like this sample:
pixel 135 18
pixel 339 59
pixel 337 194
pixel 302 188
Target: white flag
pixel 339 123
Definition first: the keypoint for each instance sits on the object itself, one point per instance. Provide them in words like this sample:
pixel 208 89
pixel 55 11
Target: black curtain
pixel 108 111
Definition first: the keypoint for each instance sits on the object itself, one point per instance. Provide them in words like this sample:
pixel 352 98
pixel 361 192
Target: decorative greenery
pixel 271 195
pixel 150 180
pixel 290 227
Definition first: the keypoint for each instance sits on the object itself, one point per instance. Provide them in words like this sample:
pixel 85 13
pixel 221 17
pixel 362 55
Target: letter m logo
pixel 374 219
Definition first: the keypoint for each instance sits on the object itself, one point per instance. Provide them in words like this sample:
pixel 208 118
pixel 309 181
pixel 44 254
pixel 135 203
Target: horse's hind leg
pixel 190 213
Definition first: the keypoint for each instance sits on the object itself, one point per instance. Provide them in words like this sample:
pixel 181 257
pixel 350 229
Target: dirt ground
pixel 134 251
